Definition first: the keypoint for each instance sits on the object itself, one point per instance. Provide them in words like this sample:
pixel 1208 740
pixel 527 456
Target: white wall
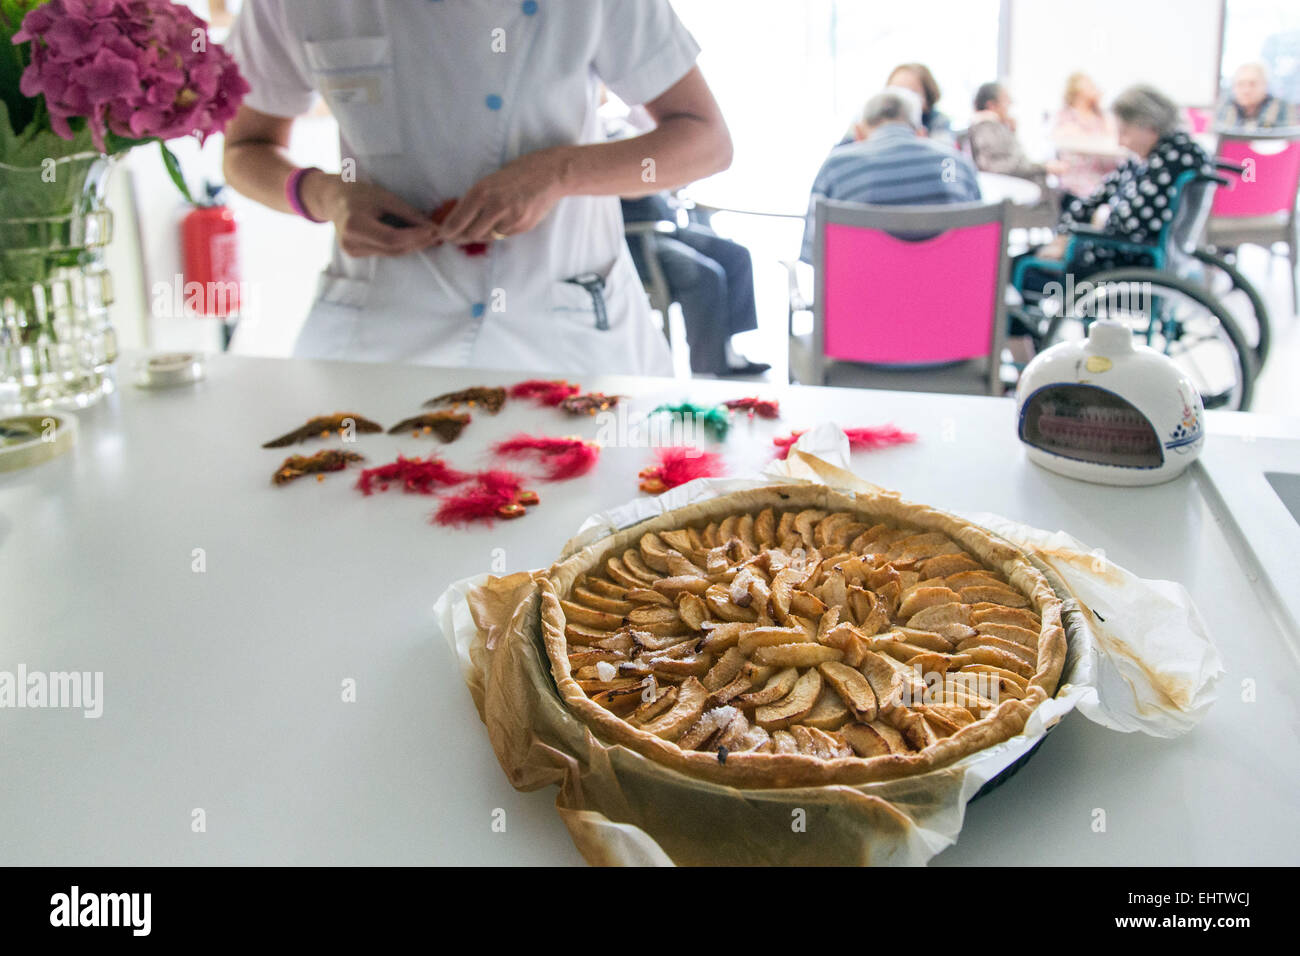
pixel 280 255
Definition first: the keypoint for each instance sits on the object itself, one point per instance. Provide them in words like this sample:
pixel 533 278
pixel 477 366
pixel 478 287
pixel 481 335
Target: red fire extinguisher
pixel 210 242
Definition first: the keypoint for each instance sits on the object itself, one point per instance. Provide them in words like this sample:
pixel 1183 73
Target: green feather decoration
pixel 714 418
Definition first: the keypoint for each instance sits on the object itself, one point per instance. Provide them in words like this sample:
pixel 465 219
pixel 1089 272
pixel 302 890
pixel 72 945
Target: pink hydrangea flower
pixel 136 68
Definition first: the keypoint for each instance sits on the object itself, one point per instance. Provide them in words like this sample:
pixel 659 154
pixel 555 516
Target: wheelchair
pixel 1174 296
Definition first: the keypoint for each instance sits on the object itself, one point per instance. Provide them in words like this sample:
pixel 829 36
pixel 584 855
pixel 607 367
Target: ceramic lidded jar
pixel 1109 410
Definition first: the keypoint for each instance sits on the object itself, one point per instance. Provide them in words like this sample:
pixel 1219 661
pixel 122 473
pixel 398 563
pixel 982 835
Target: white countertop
pixel 222 689
pixel 1237 487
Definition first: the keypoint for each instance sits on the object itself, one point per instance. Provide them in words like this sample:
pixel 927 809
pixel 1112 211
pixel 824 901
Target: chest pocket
pixel 356 77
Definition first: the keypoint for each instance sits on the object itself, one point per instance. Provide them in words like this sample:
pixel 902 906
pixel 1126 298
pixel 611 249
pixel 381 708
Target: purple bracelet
pixel 292 192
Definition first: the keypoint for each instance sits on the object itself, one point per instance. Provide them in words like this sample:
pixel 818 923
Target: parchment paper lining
pixel 1150 666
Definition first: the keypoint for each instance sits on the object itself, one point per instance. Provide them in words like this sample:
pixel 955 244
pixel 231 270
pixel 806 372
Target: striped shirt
pixel 1271 114
pixel 894 167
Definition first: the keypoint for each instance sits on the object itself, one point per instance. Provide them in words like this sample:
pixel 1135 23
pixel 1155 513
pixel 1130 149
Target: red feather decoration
pixel 762 407
pixel 550 393
pixel 417 476
pixel 676 466
pixel 784 443
pixel 562 458
pixel 860 439
pixel 881 436
pixel 496 494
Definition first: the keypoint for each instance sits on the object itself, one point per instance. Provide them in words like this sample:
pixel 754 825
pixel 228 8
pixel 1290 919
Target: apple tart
pixel 793 635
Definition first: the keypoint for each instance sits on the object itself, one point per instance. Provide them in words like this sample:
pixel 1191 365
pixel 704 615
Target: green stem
pixel 175 172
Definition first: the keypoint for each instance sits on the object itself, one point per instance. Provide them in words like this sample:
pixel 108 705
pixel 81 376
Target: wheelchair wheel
pixel 1225 282
pixel 1173 316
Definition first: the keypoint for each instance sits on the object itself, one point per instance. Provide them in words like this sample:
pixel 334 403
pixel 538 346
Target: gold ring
pixel 499 235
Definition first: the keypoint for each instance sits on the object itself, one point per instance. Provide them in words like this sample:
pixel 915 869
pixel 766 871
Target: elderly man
pixel 1251 106
pixel 993 140
pixel 891 163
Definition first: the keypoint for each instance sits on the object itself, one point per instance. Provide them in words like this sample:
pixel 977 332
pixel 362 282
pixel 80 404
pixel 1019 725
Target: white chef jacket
pixel 432 95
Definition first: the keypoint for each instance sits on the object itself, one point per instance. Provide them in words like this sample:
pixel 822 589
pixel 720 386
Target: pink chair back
pixel 1269 188
pixel 893 301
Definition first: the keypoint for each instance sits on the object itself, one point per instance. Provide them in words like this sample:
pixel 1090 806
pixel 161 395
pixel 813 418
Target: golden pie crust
pixel 795 636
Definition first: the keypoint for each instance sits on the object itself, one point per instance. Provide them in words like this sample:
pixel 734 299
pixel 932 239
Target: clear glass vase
pixel 56 343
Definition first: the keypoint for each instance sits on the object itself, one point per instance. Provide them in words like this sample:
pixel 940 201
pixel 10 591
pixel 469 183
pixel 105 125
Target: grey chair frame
pixel 905 221
pixel 656 285
pixel 1253 231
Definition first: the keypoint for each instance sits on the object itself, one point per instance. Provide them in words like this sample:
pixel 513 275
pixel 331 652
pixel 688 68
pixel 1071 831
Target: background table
pixel 995 187
pixel 223 688
pixel 788 199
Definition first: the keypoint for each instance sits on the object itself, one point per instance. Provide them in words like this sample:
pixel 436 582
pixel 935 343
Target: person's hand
pixel 509 201
pixel 1054 249
pixel 1057 167
pixel 368 220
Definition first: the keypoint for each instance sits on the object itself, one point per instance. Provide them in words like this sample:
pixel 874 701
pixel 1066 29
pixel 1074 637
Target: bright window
pixel 1267 31
pixel 791 76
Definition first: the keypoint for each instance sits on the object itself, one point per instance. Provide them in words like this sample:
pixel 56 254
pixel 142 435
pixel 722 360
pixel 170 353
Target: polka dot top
pixel 1140 195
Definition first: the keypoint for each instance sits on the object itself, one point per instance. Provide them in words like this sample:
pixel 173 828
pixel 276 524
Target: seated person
pixel 1135 202
pixel 918 78
pixel 993 141
pixel 1084 136
pixel 1250 106
pixel 892 163
pixel 710 277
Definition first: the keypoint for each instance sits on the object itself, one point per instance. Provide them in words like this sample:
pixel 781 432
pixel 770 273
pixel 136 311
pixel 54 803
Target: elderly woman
pixel 918 78
pixel 1136 201
pixel 1085 137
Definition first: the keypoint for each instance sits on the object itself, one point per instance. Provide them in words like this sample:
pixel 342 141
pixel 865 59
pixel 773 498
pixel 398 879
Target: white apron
pixel 432 95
